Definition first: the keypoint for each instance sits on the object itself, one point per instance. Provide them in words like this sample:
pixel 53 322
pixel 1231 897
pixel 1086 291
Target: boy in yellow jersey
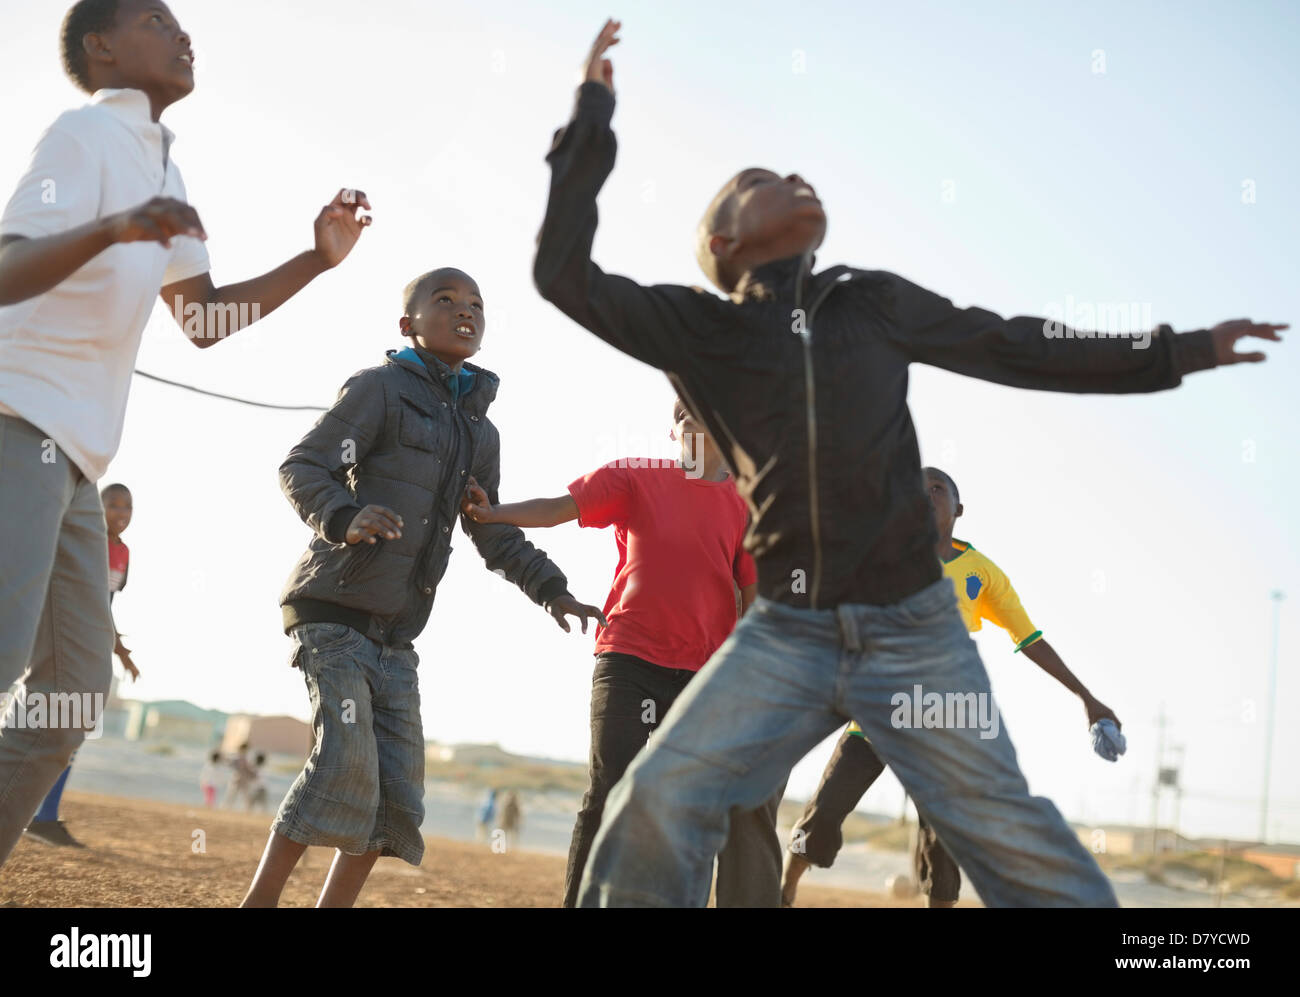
pixel 983 593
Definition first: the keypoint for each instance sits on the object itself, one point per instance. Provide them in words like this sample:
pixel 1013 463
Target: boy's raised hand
pixel 1227 333
pixel 338 226
pixel 567 605
pixel 598 69
pixel 373 521
pixel 476 504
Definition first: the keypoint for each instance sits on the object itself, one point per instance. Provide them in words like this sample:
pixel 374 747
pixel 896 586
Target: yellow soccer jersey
pixel 984 593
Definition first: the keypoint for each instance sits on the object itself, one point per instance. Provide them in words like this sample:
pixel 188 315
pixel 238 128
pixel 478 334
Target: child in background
pixel 257 788
pixel 487 813
pixel 241 778
pixel 679 527
pixel 208 779
pixel 983 593
pixel 512 818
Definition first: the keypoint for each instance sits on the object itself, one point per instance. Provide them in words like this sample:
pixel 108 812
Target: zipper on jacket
pixel 810 395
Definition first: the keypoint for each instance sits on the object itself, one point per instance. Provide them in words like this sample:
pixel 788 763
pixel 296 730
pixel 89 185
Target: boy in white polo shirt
pixel 96 229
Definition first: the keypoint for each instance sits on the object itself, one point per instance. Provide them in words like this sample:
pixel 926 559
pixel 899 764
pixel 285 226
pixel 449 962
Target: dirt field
pixel 145 854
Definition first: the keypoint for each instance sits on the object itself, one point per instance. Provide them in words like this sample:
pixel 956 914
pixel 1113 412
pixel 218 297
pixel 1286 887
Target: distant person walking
pixel 512 819
pixel 487 813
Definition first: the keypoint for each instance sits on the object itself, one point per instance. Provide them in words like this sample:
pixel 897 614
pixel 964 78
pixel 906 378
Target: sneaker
pixel 52 832
pixel 795 866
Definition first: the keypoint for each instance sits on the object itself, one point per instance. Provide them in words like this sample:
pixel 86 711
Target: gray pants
pixel 56 633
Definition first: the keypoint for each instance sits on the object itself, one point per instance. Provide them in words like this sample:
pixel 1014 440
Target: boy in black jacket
pixel 852 609
pixel 380 479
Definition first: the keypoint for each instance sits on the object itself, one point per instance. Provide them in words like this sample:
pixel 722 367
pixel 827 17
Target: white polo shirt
pixel 66 356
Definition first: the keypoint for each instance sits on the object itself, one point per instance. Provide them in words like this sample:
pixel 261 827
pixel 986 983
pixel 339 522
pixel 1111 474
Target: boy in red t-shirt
pixel 680 527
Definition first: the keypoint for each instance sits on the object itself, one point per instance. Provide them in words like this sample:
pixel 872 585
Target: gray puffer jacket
pixel 398 437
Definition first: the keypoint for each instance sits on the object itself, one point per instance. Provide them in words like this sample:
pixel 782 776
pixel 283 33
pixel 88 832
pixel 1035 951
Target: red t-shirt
pixel 679 551
pixel 119 559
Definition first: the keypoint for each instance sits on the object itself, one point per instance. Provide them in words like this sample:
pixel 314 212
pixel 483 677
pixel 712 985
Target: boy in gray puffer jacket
pixel 379 479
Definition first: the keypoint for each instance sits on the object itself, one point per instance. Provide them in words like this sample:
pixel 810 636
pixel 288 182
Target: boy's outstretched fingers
pixel 1226 335
pixel 351 196
pixel 567 605
pixel 598 69
pixel 339 225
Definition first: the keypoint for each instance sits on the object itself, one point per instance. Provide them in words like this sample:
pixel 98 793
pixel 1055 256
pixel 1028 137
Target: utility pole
pixel 1277 596
pixel 1155 787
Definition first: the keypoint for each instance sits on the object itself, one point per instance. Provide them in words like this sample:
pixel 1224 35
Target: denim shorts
pixel 362 789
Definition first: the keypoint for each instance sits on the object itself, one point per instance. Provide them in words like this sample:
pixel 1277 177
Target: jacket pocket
pixel 421 424
pixel 358 559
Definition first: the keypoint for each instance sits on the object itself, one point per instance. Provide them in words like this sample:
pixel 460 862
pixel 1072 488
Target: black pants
pixel 629 699
pixel 853 767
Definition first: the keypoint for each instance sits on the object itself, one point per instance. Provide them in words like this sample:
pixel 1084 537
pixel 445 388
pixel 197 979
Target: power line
pixel 232 398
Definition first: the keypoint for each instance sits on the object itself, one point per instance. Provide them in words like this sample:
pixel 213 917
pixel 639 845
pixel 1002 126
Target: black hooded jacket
pixel 803 382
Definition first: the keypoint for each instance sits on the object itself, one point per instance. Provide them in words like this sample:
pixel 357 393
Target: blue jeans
pixel 783 681
pixel 49 810
pixel 362 789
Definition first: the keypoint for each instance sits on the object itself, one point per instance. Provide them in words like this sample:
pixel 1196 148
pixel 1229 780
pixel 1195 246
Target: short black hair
pixel 947 478
pixel 86 17
pixel 114 487
pixel 418 288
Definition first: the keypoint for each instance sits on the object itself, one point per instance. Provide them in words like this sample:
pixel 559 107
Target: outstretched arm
pixel 657 325
pixel 1000 604
pixel 507 552
pixel 208 314
pixel 1045 657
pixel 1047 354
pixel 124 654
pixel 529 513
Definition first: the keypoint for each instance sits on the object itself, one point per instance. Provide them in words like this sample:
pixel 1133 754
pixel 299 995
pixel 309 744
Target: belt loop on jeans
pixel 848 628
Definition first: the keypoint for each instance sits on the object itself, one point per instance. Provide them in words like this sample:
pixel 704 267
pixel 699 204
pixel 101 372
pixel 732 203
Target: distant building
pixel 1282 860
pixel 490 755
pixel 1132 840
pixel 274 735
pixel 470 754
pixel 173 720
